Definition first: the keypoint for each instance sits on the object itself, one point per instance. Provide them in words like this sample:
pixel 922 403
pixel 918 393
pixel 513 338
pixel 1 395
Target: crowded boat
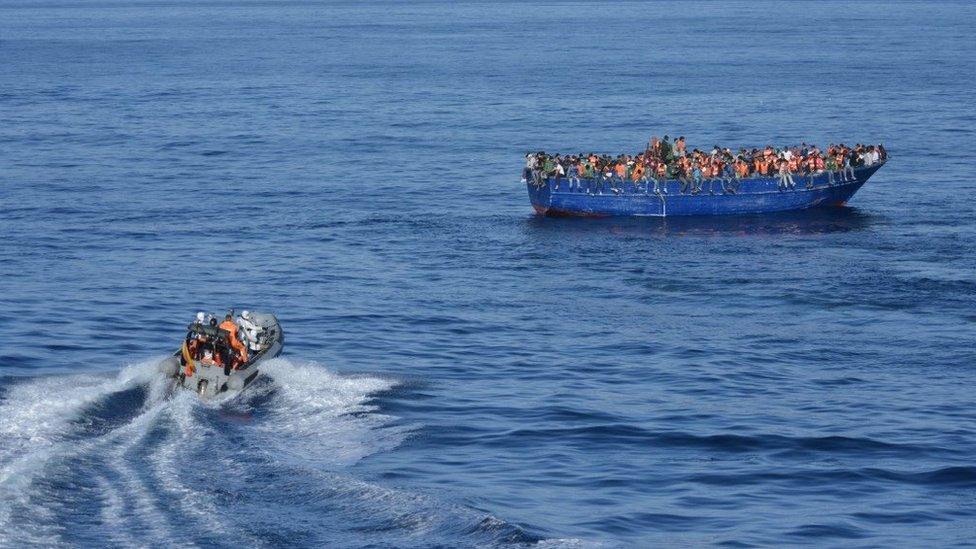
pixel 711 171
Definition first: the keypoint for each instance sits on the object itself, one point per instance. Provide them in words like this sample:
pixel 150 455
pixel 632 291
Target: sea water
pixel 457 371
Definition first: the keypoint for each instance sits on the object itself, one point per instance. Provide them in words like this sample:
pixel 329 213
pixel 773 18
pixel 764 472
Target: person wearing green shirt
pixel 831 167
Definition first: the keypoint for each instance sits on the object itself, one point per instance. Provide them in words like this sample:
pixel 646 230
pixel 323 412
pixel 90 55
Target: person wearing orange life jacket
pixel 810 163
pixel 229 326
pixel 618 172
pixel 660 177
pixel 638 176
pixel 786 181
pixel 793 162
pixel 742 168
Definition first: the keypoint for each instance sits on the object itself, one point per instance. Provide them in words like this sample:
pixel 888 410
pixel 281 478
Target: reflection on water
pixel 803 222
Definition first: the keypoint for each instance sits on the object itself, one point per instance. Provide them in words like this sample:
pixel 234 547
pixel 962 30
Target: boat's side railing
pixel 691 185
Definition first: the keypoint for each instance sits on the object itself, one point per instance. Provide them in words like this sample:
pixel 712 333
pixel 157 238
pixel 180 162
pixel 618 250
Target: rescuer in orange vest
pixel 229 326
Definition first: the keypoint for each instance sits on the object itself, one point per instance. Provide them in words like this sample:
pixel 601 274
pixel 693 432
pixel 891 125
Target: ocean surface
pixel 457 371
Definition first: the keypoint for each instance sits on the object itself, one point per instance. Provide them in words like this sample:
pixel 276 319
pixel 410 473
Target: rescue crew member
pixel 251 330
pixel 229 326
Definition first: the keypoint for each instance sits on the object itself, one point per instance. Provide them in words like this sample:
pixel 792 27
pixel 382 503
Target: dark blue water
pixel 459 372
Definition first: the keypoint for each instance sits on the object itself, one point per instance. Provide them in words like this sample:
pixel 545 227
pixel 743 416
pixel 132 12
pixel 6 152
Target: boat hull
pixel 754 195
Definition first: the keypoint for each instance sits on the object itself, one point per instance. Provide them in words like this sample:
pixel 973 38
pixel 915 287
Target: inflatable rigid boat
pixel 207 362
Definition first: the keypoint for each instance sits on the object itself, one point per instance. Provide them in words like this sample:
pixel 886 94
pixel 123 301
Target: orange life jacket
pixel 230 327
pixel 188 359
pixel 742 169
pixel 638 172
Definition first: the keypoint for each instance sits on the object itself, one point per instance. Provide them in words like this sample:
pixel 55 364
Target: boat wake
pixel 123 460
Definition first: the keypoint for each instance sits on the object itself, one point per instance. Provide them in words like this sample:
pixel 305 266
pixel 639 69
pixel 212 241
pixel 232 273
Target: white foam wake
pixel 319 418
pixel 37 418
pixel 138 470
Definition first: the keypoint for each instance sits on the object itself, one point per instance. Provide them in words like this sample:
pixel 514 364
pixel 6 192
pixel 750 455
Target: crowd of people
pixel 224 345
pixel 698 171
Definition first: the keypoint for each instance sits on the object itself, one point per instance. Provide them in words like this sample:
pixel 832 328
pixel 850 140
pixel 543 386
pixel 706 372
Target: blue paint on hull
pixel 755 195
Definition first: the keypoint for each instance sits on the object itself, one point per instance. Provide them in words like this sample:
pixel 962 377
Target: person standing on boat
pixel 679 146
pixel 229 326
pixel 872 157
pixel 654 146
pixel 666 152
pixel 250 329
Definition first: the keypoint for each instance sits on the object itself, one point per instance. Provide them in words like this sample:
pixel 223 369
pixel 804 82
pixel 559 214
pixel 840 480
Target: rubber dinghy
pixel 206 363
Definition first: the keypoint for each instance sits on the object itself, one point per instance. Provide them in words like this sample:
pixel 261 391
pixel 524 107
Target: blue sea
pixel 457 371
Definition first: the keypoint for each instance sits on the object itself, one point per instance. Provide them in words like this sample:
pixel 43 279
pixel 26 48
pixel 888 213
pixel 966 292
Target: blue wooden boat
pixel 754 195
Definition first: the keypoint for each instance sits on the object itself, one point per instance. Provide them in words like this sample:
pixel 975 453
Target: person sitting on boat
pixel 660 177
pixel 730 184
pixel 194 343
pixel 637 176
pixel 208 356
pixel 608 174
pixel 557 170
pixel 696 178
pixel 536 169
pixel 573 173
pixel 620 173
pixel 846 166
pixel 548 166
pixel 741 167
pixel 229 326
pixel 785 177
pixel 529 165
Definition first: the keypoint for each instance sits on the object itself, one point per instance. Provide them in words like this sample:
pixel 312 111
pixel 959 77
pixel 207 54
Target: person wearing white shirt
pixel 251 330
